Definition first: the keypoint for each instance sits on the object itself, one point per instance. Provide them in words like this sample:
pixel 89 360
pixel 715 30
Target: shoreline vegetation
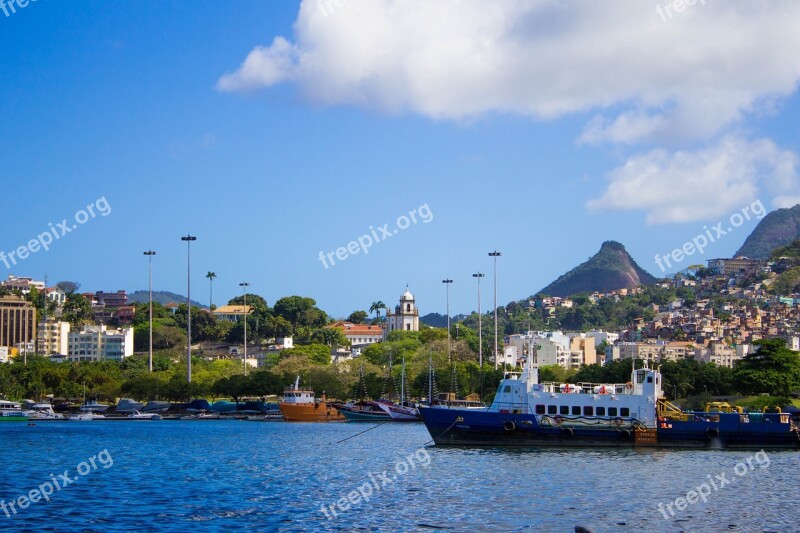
pixel 770 375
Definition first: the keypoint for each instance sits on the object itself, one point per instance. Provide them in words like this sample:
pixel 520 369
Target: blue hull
pixel 470 427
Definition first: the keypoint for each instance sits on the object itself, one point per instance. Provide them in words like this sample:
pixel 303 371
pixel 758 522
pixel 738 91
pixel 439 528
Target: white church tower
pixel 405 316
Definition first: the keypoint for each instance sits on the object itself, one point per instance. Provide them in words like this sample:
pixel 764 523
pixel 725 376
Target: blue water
pixel 234 475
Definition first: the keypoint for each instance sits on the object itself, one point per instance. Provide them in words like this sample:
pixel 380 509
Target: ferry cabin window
pixel 576 409
pixel 649 379
pixel 612 411
pixel 601 411
pixel 624 411
pixel 588 410
pixel 563 410
pixel 507 389
pixel 540 409
pixel 640 377
pixel 552 409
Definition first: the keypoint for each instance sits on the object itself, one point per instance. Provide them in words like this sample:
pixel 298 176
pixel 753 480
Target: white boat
pixel 93 407
pixel 136 415
pixel 43 411
pixel 86 417
pixel 406 412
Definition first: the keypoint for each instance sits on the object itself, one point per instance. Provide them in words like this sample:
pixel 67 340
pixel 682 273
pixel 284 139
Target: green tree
pixel 376 308
pixel 319 354
pixel 358 317
pixel 773 369
pixel 77 310
pixel 300 311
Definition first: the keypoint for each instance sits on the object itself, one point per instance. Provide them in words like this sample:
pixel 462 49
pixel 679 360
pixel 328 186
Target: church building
pixel 405 316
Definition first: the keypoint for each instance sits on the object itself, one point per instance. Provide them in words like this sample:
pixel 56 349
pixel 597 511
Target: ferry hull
pixel 462 427
pixel 310 412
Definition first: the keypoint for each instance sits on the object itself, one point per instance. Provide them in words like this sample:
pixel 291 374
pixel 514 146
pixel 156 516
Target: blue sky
pixel 274 131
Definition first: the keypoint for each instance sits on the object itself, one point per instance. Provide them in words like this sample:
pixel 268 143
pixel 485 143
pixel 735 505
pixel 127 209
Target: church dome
pixel 407 296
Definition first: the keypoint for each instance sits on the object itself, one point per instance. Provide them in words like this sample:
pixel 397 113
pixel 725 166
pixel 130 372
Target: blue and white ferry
pixel 528 413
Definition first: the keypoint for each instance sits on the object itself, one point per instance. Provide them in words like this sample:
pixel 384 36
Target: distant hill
pixel 609 269
pixel 778 228
pixel 436 320
pixel 162 297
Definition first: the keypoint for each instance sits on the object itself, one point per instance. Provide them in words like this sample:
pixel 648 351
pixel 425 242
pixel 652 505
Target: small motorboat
pixel 136 415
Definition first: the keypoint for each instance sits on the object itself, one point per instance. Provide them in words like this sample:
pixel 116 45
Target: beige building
pixel 53 337
pixel 674 351
pixel 17 321
pixel 98 343
pixel 232 313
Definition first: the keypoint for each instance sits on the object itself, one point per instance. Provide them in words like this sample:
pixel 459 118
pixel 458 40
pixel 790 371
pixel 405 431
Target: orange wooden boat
pixel 300 405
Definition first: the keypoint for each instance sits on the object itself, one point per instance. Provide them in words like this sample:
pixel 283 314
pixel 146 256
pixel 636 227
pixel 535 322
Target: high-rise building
pixel 17 321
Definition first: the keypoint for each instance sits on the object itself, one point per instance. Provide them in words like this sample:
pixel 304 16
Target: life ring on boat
pixel 558 420
pixel 509 426
pixel 626 434
pixel 329 412
pixel 568 432
pixel 712 433
pixel 316 405
pixel 566 388
pixel 629 385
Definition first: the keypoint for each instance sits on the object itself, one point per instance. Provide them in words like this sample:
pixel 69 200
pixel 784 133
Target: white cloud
pixel 703 184
pixel 263 66
pixel 657 78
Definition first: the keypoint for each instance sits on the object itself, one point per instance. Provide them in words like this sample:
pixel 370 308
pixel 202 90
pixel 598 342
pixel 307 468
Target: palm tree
pixel 211 276
pixel 377 306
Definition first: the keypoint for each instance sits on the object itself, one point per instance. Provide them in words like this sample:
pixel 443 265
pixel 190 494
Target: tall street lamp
pixel 150 254
pixel 480 329
pixel 495 255
pixel 189 239
pixel 244 286
pixel 447 283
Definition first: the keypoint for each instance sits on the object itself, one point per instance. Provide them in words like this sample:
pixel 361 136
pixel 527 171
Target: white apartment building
pixel 603 336
pixel 509 356
pixel 53 337
pixel 570 350
pixel 96 343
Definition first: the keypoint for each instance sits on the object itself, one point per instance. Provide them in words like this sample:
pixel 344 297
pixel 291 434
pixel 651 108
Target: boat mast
pixel 403 382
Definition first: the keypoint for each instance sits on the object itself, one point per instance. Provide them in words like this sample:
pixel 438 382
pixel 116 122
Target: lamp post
pixel 150 254
pixel 480 329
pixel 447 283
pixel 495 255
pixel 244 286
pixel 189 239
